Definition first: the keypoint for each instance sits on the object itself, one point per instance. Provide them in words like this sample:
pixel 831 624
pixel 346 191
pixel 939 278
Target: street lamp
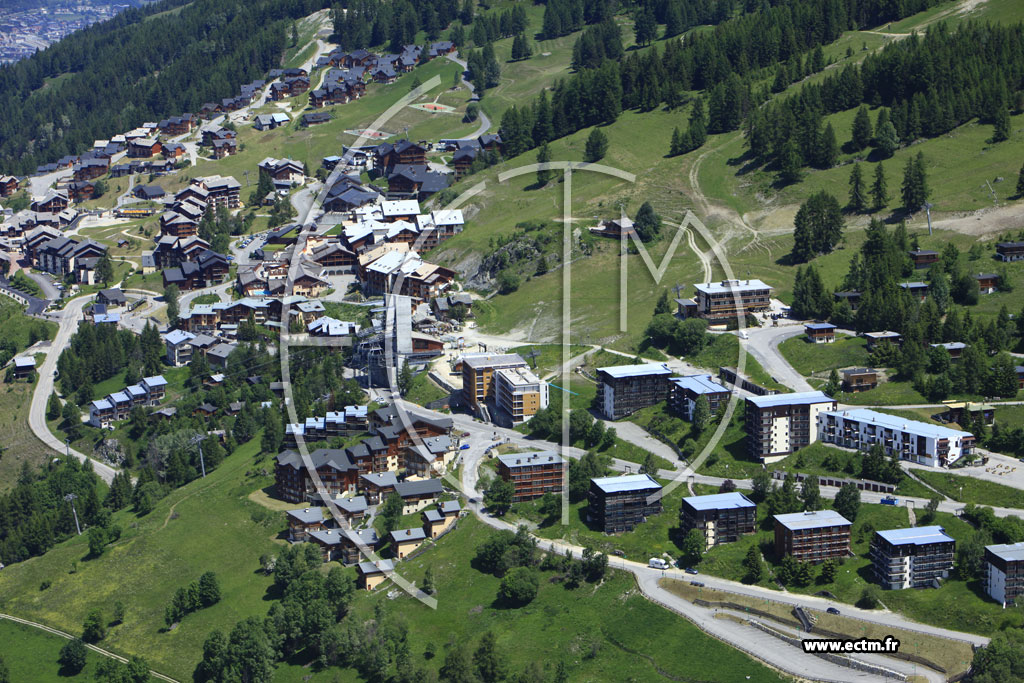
pixel 71 499
pixel 198 440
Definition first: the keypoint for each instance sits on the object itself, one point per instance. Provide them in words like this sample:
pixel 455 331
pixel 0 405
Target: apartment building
pixel 720 302
pixel 919 442
pixel 812 536
pixel 723 517
pixel 686 390
pixel 1004 572
pixel 625 389
pixel 478 370
pixel 532 474
pixel 781 424
pixel 617 504
pixel 520 393
pixel 912 558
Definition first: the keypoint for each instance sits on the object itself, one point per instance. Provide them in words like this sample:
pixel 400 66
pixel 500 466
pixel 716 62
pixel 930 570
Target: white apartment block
pixel 919 442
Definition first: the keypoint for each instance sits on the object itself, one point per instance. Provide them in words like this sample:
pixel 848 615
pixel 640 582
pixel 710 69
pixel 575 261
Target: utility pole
pixel 71 499
pixel 928 212
pixel 532 355
pixel 198 440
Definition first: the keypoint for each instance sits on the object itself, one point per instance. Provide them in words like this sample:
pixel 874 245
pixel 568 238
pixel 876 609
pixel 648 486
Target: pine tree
pixel 790 162
pixel 834 384
pixel 862 132
pixel 828 150
pixel 647 223
pixel 914 187
pixel 673 20
pixel 752 563
pixel 645 27
pixel 676 146
pixel 879 190
pixel 596 146
pixel 544 156
pixel 697 132
pixel 1001 124
pixel 53 407
pixel 858 193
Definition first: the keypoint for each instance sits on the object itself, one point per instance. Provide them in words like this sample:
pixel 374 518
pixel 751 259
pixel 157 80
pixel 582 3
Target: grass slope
pixel 559 625
pixel 204 526
pixel 31 655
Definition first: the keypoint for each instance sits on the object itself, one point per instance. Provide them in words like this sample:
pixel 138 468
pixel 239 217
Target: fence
pixel 824 480
pixel 731 376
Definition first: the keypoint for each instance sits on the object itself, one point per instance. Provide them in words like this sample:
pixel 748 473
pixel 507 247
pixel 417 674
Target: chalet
pixel 211 134
pixel 852 299
pixel 369 575
pixel 143 148
pixel 218 356
pixel 173 150
pixel 177 125
pixel 917 289
pixel 1019 369
pixel 388 155
pixel 289 87
pixel 8 185
pixel 270 121
pixel 208 269
pixel 923 258
pixel 966 413
pixel 333 255
pixel 284 170
pixel 24 366
pixel 61 256
pixel 440 48
pixel 54 201
pixel 859 379
pixel 820 333
pixel 454 306
pixel 302 522
pixel 225 148
pixel 405 541
pixel 81 190
pixel 316 118
pixel 111 297
pixel 987 282
pixel 331 93
pixel 874 338
pixel 383 73
pixel 90 169
pixel 357 58
pixel 399 210
pixel 348 194
pixel 149 193
pixel 418 494
pixel 463 159
pixel 1010 251
pixel 415 181
pixel 955 349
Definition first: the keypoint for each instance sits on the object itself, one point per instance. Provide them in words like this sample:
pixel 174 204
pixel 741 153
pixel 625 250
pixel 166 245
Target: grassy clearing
pixel 967 489
pixel 558 625
pixel 21 445
pixel 549 358
pixel 424 391
pixel 157 553
pixel 809 359
pixel 885 394
pixel 31 655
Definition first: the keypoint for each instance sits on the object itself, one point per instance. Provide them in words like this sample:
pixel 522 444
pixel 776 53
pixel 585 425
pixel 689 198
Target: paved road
pixel 69 319
pixel 756 643
pixel 39 184
pixel 46 284
pixel 763 345
pixel 485 122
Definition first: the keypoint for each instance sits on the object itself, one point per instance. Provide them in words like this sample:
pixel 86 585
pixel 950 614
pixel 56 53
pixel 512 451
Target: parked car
pixel 698 584
pixel 692 570
pixel 464 447
pixel 890 500
pixel 832 610
pixel 657 563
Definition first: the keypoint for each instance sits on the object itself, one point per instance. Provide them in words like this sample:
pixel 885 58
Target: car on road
pixel 832 610
pixel 619 553
pixel 657 563
pixel 698 584
pixel 692 570
pixel 464 447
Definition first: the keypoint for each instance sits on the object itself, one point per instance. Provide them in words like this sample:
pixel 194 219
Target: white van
pixel 657 563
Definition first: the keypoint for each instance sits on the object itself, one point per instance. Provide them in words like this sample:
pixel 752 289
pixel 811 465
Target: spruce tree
pixel 698 130
pixel 828 149
pixel 675 147
pixel 596 147
pixel 862 132
pixel 858 193
pixel 543 156
pixel 879 189
pixel 790 162
pixel 645 27
pixel 1001 124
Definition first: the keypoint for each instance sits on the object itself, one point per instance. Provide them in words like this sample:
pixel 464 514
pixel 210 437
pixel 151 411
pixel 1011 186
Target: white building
pixel 780 424
pixel 912 558
pixel 919 442
pixel 520 393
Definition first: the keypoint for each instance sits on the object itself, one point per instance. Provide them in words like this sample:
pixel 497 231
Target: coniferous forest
pixel 142 65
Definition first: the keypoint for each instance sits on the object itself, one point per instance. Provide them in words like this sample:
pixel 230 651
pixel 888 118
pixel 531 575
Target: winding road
pixel 485 122
pixel 69 318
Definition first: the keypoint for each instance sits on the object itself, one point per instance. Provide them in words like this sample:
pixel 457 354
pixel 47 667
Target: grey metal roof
pixel 627 482
pixel 515 460
pixel 719 501
pixel 921 535
pixel 811 520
